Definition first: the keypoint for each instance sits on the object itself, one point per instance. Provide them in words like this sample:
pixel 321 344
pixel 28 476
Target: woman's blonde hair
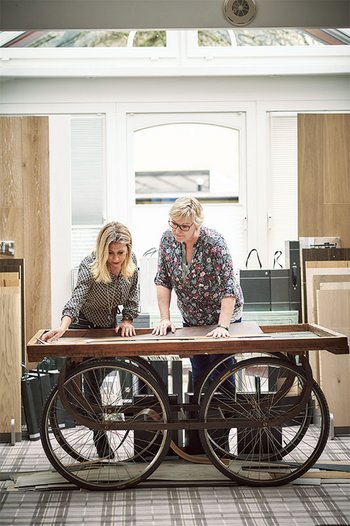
pixel 113 232
pixel 188 209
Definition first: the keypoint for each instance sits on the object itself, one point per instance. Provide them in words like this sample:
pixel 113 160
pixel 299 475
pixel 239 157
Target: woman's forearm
pixel 65 323
pixel 163 298
pixel 226 310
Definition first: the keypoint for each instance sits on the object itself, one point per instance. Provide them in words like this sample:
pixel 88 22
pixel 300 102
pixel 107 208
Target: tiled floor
pixel 309 503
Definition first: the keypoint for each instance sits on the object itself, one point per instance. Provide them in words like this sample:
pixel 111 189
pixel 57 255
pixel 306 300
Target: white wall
pixel 257 96
pixel 258 89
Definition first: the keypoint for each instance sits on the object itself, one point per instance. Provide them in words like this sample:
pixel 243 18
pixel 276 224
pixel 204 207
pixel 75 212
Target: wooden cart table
pixel 261 417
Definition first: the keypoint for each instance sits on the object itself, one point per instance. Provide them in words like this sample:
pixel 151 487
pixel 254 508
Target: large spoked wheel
pixel 278 422
pixel 224 364
pixel 104 447
pixel 64 421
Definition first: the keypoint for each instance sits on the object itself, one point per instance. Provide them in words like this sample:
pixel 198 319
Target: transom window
pixel 159 38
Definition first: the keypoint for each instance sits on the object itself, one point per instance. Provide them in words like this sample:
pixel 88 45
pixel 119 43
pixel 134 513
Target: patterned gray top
pixel 99 302
pixel 201 285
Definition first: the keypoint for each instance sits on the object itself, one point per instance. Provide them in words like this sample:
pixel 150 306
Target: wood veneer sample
pixel 333 307
pixel 10 358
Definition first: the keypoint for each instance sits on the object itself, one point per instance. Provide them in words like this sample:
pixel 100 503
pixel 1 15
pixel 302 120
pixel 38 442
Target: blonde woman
pixel 107 279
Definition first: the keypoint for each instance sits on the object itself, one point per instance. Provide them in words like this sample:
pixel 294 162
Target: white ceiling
pixel 16 15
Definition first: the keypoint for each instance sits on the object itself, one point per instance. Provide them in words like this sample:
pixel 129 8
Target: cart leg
pixel 331 430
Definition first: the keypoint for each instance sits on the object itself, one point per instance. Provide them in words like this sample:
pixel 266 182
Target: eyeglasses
pixel 174 226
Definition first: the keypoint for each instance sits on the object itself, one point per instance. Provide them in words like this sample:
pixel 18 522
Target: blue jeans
pixel 201 362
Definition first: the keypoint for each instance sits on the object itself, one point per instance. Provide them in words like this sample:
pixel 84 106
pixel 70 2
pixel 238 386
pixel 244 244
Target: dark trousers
pixel 201 362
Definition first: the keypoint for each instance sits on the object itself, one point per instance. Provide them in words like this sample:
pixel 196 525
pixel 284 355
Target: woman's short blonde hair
pixel 189 209
pixel 113 232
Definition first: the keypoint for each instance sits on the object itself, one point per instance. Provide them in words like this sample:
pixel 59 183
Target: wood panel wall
pixel 324 211
pixel 24 209
pixel 324 176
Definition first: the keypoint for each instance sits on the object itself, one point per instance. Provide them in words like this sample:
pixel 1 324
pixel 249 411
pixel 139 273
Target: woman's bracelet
pixel 223 327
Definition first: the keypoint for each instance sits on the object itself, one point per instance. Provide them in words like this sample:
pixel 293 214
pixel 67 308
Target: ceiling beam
pixel 17 15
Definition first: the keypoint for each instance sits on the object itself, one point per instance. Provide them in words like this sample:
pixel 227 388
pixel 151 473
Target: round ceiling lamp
pixel 239 12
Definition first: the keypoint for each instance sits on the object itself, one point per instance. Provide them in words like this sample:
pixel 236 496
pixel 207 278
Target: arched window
pixel 184 158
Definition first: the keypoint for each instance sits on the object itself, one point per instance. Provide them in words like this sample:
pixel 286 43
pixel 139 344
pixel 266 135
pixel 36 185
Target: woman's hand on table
pixel 53 335
pixel 125 328
pixel 219 332
pixel 163 327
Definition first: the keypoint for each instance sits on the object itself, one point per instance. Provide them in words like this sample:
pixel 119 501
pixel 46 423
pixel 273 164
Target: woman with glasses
pixel 195 262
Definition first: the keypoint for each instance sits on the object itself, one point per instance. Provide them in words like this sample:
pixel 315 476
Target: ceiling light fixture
pixel 240 12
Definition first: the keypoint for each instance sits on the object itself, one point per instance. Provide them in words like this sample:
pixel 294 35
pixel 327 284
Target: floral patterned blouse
pixel 99 302
pixel 201 285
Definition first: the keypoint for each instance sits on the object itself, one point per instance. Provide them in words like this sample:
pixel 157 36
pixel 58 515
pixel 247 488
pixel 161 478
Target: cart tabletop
pixel 187 341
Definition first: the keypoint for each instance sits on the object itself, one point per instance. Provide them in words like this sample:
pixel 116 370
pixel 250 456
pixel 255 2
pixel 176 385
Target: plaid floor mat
pixel 310 502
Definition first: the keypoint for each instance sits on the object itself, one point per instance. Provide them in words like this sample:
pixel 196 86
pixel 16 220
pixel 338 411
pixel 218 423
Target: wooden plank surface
pixel 331 285
pixel 11 195
pixel 10 359
pixel 323 176
pixel 25 212
pixel 9 279
pixel 320 280
pixel 314 276
pixel 36 191
pixel 315 271
pixel 333 307
pixel 245 337
pixel 339 263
